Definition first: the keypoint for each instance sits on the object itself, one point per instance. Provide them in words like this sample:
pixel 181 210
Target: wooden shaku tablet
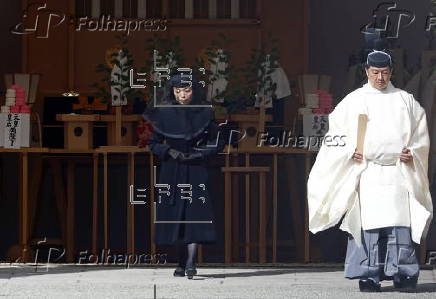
pixel 361 130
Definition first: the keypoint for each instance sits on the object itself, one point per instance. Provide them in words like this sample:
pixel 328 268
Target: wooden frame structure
pixel 24 222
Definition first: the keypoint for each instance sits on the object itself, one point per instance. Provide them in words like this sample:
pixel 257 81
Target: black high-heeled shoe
pixel 179 272
pixel 190 272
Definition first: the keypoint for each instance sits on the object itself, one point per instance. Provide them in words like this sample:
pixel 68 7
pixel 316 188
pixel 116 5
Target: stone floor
pixel 289 281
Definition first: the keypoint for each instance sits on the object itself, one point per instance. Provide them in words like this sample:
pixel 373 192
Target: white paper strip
pixel 25 130
pixel 235 9
pixel 23 80
pixel 3 117
pixel 212 9
pixel 118 10
pixel 95 8
pixel 142 9
pixel 33 88
pixel 189 9
pixel 12 133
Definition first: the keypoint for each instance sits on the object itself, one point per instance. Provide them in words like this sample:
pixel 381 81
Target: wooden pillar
pixel 24 160
pixel 297 206
pixel 60 196
pixel 227 214
pixel 308 160
pixel 36 168
pixel 94 203
pixel 262 217
pixel 274 235
pixel 118 125
pixel 130 206
pixel 70 244
pixel 71 65
pixel 200 254
pixel 235 209
pixel 105 202
pixel 262 208
pixel 247 211
pixel 151 205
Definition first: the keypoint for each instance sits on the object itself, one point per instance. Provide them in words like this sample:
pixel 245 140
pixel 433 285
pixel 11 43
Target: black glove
pixel 175 154
pixel 193 156
pixel 188 157
pixel 184 157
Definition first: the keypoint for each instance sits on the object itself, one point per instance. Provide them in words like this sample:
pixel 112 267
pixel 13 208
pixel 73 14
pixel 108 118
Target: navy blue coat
pixel 187 130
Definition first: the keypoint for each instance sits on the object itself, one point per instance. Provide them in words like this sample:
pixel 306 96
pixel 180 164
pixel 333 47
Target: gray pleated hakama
pixel 385 253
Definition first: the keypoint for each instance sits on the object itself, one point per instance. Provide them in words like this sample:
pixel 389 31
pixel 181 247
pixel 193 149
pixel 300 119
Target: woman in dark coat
pixel 191 137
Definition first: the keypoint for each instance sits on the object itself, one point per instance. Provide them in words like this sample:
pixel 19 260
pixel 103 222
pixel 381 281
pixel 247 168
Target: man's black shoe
pixel 368 285
pixel 405 282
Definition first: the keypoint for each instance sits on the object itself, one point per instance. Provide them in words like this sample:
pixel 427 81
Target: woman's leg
pixel 181 255
pixel 190 262
pixel 181 260
pixel 192 252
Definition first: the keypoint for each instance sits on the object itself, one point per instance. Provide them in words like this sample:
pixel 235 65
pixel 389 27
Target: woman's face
pixel 183 95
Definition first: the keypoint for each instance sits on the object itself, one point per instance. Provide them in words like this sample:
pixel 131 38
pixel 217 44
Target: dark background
pixel 324 47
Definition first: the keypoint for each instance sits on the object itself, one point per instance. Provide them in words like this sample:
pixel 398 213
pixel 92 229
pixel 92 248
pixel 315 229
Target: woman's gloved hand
pixel 175 154
pixel 184 157
pixel 192 156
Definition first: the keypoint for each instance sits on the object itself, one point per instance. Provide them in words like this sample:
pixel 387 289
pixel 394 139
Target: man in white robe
pixel 382 195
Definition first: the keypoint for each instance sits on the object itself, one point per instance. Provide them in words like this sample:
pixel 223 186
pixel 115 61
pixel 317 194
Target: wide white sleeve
pixel 416 172
pixel 328 188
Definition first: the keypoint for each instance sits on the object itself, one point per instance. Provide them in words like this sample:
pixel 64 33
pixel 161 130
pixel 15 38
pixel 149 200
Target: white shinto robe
pixel 395 120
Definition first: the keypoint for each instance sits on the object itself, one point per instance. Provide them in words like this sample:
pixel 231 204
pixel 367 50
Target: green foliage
pixel 169 51
pixel 211 56
pixel 245 82
pixel 103 88
pixel 260 66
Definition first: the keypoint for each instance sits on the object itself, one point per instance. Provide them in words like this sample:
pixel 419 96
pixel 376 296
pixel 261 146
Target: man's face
pixel 379 77
pixel 183 95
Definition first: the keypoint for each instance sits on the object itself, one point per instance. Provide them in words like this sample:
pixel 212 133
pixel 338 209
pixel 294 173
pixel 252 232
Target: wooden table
pixel 23 154
pixel 70 193
pixel 275 151
pixel 24 217
pixel 261 171
pixel 130 151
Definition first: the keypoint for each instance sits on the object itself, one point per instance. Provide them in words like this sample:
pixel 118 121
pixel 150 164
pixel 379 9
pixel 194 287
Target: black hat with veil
pixel 172 119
